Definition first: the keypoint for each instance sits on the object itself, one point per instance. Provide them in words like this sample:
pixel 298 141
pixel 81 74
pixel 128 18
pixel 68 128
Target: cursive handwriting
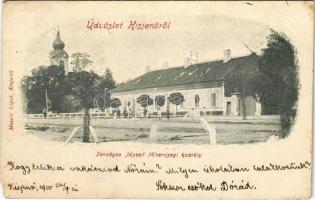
pixel 202 187
pixel 225 186
pixel 27 169
pixel 277 167
pixel 228 168
pixel 36 187
pixel 160 185
pixel 181 170
pixel 135 169
pixel 92 168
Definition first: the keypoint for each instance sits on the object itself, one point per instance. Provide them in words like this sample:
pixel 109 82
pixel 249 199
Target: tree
pixel 279 83
pixel 86 88
pixel 107 82
pixel 145 100
pixel 243 79
pixel 160 100
pixel 70 104
pixel 176 99
pixel 42 79
pixel 33 90
pixel 55 86
pixel 115 103
pixel 80 61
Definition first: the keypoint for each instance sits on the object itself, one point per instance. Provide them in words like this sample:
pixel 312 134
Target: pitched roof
pixel 211 71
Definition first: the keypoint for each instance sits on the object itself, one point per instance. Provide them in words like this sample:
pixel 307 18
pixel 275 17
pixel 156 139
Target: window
pixel 61 63
pixel 197 99
pixel 213 100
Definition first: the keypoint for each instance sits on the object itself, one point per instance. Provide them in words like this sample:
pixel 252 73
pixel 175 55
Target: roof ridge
pixel 213 70
pixel 203 62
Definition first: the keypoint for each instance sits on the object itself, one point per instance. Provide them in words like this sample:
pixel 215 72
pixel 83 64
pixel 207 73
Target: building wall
pixel 210 99
pixel 253 107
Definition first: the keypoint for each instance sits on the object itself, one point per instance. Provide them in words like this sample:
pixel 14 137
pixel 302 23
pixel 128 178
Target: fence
pixel 103 115
pixel 68 116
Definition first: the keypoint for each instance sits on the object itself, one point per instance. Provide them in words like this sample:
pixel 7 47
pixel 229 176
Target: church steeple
pixel 58 43
pixel 58 56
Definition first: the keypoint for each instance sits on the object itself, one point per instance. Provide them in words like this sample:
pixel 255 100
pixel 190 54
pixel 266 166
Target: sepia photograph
pixel 169 100
pixel 248 94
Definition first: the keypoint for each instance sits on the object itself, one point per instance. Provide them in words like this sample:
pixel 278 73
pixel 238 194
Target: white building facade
pixel 202 86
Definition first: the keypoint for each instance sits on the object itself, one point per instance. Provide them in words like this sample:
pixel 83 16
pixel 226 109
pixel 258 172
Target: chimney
pixel 187 62
pixel 164 65
pixel 147 69
pixel 226 55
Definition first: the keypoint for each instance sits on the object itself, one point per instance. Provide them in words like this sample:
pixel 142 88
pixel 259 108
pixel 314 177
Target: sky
pixel 29 28
pixel 127 53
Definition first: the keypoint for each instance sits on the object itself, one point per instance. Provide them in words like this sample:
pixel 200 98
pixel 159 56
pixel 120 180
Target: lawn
pixel 175 131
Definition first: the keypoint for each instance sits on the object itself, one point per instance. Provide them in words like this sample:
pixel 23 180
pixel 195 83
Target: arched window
pixel 61 63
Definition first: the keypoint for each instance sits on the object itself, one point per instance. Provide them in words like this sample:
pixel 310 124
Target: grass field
pixel 175 131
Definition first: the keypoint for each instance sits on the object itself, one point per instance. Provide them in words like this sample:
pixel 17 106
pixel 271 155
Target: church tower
pixel 58 56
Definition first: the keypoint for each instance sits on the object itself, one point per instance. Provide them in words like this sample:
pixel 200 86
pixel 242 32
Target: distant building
pixel 203 86
pixel 58 56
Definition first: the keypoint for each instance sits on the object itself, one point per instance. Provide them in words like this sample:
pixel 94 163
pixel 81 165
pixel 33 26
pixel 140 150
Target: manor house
pixel 204 86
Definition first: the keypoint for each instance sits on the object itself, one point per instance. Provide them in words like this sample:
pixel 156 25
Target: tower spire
pixel 59 56
pixel 58 43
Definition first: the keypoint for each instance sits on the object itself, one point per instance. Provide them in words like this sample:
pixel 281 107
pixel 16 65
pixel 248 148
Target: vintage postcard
pixel 157 100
